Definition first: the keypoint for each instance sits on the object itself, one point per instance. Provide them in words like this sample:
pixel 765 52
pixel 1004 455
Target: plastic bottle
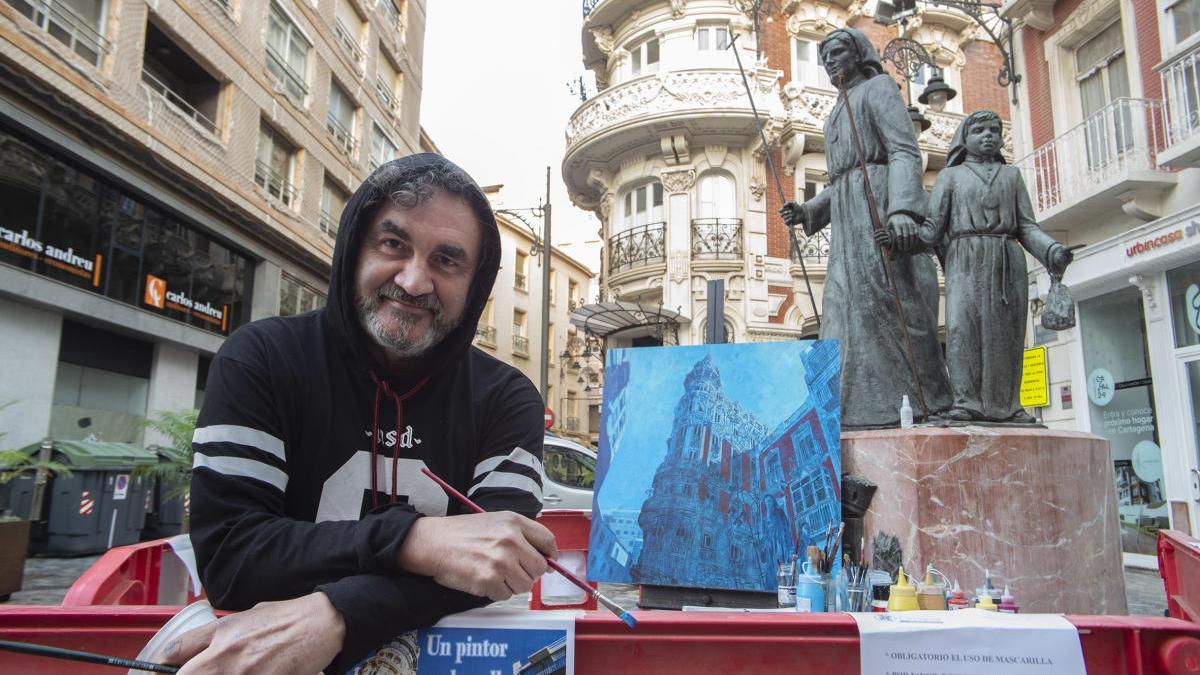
pixel 879 597
pixel 985 603
pixel 902 597
pixel 906 414
pixel 931 595
pixel 1007 604
pixel 957 601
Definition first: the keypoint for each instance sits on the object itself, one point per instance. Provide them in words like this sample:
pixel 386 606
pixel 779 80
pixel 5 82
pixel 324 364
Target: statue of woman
pixel 859 306
pixel 981 215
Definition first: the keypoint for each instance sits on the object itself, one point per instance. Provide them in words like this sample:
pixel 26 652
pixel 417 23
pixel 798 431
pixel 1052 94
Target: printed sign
pixel 159 296
pixel 156 291
pixel 65 259
pixel 122 487
pixel 968 641
pixel 1101 387
pixel 1035 380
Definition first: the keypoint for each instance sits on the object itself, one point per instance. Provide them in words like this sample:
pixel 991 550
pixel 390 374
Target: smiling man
pixel 309 508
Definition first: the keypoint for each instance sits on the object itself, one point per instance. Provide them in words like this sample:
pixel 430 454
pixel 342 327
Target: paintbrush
pixel 86 657
pixel 567 574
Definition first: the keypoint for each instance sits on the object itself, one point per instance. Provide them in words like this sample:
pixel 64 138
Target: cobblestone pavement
pixel 47 580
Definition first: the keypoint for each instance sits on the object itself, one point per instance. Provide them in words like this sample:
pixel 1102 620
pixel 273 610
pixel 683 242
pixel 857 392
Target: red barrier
pixel 139 574
pixel 1179 566
pixel 663 642
pixel 572 530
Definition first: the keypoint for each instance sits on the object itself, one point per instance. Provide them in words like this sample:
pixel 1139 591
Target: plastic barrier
pixel 663 643
pixel 571 530
pixel 148 573
pixel 1179 566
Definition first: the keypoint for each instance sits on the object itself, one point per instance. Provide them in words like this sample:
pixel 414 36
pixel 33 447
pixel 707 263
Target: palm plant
pixel 177 426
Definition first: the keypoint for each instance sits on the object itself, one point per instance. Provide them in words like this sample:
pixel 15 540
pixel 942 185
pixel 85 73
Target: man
pixel 859 306
pixel 307 489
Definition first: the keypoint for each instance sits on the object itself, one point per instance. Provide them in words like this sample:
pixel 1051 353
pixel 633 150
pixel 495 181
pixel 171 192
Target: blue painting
pixel 716 462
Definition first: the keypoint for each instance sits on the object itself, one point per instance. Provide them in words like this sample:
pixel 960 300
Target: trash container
pixel 164 518
pixel 100 505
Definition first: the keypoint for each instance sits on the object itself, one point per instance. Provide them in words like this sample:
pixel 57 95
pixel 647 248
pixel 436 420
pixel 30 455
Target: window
pixel 1185 18
pixel 1103 79
pixel 297 297
pixel 273 165
pixel 348 28
pixel 382 148
pixel 573 294
pixel 339 119
pixel 387 83
pixel 643 205
pixel 78 24
pixel 520 272
pixel 553 285
pixel 393 12
pixel 712 38
pixel 520 342
pixel 287 52
pixel 643 59
pixel 333 200
pixel 567 466
pixel 806 64
pixel 485 331
pixel 173 76
pixel 716 194
pixel 101 385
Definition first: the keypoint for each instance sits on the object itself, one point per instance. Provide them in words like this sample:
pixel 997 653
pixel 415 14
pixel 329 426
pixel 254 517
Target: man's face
pixel 839 60
pixel 983 138
pixel 414 273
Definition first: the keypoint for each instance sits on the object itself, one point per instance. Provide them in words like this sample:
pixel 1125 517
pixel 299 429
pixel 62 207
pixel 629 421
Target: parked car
pixel 570 474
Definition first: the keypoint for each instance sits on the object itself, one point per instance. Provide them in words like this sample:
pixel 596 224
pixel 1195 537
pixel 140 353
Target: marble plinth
pixel 1035 506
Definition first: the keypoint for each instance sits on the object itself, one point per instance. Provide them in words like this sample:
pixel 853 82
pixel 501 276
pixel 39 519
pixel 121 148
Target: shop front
pixel 1134 360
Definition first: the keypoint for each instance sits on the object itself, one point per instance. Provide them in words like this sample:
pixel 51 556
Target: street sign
pixel 1035 380
pixel 549 417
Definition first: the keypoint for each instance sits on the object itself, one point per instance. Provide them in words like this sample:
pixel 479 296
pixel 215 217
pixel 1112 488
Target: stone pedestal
pixel 1035 506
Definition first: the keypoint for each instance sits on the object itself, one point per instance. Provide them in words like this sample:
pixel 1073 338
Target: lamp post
pixel 756 8
pixel 542 211
pixel 910 59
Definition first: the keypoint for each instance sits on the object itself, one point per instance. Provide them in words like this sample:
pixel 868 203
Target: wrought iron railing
pixel 343 135
pixel 294 81
pixel 160 89
pixel 328 225
pixel 1180 81
pixel 520 282
pixel 277 185
pixel 521 344
pixel 637 246
pixel 386 94
pixel 1122 137
pixel 717 238
pixel 65 24
pixel 486 334
pixel 390 12
pixel 348 41
pixel 588 6
pixel 814 247
pixel 572 424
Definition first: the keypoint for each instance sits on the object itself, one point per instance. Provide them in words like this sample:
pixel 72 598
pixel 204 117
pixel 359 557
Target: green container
pixel 165 518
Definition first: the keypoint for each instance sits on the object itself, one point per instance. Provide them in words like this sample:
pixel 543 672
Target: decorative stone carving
pixel 716 154
pixel 603 36
pixel 815 18
pixel 606 203
pixel 757 188
pixel 678 181
pixel 773 130
pixel 677 267
pixel 678 7
pixel 675 150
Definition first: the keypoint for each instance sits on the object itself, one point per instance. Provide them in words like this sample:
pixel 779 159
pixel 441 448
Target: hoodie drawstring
pixel 382 387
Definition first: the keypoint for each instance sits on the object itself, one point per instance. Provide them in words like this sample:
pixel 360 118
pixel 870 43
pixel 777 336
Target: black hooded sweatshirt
pixel 286 499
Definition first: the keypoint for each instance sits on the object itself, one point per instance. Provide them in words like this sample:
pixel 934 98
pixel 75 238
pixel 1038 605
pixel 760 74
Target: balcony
pixel 521 345
pixel 277 185
pixel 159 89
pixel 341 133
pixel 386 94
pixel 348 42
pixel 328 225
pixel 486 335
pixel 636 247
pixel 814 248
pixel 572 424
pixel 66 25
pixel 291 80
pixel 1180 79
pixel 521 282
pixel 1098 165
pixel 717 239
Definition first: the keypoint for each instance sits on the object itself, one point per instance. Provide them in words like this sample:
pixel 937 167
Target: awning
pixel 603 319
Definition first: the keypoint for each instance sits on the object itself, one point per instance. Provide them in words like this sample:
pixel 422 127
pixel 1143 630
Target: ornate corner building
pixel 669 157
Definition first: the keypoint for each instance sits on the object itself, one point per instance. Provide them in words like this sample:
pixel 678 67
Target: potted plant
pixel 174 470
pixel 14 531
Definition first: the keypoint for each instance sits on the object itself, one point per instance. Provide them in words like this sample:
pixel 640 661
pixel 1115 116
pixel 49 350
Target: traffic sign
pixel 549 417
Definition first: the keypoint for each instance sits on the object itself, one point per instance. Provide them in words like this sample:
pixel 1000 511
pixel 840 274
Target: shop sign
pixel 122 487
pixel 1101 387
pixel 160 297
pixel 1192 308
pixel 1146 245
pixel 1147 461
pixel 66 259
pixel 1035 381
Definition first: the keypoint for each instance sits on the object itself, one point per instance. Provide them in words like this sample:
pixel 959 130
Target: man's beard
pixel 400 343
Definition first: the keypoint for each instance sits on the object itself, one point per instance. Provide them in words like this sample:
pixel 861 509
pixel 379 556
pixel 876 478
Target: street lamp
pixel 757 8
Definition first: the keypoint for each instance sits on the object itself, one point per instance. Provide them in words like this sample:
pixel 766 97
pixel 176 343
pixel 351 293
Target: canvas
pixel 716 462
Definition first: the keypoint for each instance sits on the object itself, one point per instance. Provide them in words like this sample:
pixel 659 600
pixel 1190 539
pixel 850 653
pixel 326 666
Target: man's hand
pixel 1060 256
pixel 904 232
pixel 793 214
pixel 883 238
pixel 494 555
pixel 296 637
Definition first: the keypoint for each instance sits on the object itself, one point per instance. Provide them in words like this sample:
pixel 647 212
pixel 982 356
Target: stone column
pixel 265 300
pixel 677 185
pixel 29 365
pixel 172 384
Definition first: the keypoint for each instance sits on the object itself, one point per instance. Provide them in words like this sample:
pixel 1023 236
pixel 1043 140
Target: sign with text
pixel 1035 379
pixel 157 295
pixel 498 641
pixel 86 267
pixel 968 641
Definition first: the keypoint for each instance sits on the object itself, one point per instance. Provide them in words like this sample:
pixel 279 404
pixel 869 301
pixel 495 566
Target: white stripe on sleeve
pixel 503 479
pixel 517 456
pixel 229 433
pixel 240 466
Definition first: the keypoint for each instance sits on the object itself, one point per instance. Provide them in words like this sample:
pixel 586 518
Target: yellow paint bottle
pixel 986 603
pixel 903 597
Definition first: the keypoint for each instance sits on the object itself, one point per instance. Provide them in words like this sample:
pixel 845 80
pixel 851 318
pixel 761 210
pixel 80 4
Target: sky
pixel 495 100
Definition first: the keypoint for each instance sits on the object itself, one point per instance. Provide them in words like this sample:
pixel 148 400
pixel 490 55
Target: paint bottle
pixel 879 596
pixel 985 603
pixel 957 601
pixel 906 414
pixel 902 597
pixel 1007 604
pixel 931 595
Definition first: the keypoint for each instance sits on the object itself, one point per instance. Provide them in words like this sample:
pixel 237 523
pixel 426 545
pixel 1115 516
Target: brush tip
pixel 628 619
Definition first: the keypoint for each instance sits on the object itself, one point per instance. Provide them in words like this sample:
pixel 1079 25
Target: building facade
pixel 171 171
pixel 1108 140
pixel 669 157
pixel 510 328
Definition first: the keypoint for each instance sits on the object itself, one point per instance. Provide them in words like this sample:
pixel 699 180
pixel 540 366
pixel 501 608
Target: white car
pixel 570 473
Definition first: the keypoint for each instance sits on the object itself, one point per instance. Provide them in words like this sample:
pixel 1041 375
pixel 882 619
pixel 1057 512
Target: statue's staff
pixel 796 252
pixel 877 226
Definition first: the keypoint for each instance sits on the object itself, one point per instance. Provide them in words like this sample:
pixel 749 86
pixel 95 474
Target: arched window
pixel 716 195
pixel 642 205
